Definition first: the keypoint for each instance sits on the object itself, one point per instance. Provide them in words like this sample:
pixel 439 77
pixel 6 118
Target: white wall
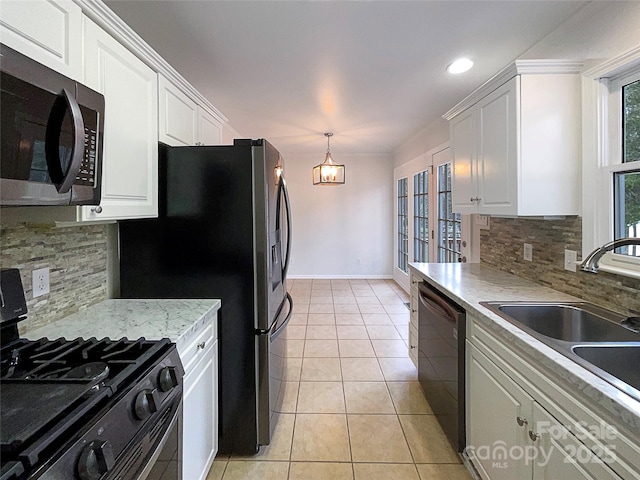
pixel 430 137
pixel 599 31
pixel 334 226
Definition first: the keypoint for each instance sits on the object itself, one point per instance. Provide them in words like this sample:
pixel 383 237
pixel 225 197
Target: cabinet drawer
pixel 413 310
pixel 202 340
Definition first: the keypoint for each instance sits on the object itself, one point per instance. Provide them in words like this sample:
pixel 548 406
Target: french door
pixel 438 233
pixel 448 225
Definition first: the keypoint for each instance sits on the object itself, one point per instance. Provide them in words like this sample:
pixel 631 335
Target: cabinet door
pixel 50 32
pixel 199 432
pixel 559 454
pixel 130 156
pixel 497 163
pixel 178 115
pixel 494 405
pixel 209 129
pixel 463 154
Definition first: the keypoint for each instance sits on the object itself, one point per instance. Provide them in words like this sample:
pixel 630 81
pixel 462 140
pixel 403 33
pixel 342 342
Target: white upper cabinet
pixel 49 31
pixel 130 155
pixel 515 142
pixel 209 128
pixel 178 115
pixel 182 120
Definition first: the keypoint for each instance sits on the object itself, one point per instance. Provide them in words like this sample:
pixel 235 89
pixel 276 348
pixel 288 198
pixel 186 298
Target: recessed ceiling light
pixel 459 66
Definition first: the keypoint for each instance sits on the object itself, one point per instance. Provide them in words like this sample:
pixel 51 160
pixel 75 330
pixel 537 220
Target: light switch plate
pixel 528 252
pixel 570 260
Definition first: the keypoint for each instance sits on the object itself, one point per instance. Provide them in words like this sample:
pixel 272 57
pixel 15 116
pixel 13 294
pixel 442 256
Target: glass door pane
pixel 449 223
pixel 421 217
pixel 403 224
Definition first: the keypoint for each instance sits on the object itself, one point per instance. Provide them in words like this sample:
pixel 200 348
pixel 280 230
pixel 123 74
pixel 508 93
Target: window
pixel 403 225
pixel 421 217
pixel 449 223
pixel 611 161
pixel 626 184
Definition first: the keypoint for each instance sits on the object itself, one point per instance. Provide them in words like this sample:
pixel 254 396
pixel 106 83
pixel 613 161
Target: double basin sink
pixel 603 342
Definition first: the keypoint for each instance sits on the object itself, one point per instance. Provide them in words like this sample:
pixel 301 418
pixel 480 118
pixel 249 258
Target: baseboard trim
pixel 340 277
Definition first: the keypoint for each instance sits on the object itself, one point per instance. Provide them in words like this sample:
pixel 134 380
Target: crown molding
pixel 106 18
pixel 519 67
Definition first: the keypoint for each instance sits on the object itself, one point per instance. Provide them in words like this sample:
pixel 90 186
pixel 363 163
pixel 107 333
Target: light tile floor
pixel 352 408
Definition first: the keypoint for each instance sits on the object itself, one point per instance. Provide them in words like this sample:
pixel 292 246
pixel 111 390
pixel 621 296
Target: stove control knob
pixel 167 379
pixel 95 460
pixel 145 404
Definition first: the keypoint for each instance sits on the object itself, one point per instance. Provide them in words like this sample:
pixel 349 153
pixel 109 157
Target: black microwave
pixel 51 136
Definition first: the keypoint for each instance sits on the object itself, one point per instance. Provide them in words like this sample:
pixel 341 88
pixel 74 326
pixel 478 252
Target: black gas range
pixel 88 409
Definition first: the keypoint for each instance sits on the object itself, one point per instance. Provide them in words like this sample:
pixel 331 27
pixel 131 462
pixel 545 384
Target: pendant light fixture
pixel 328 172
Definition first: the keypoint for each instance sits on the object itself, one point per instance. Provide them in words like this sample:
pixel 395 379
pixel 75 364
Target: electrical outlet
pixel 570 260
pixel 40 280
pixel 482 221
pixel 528 252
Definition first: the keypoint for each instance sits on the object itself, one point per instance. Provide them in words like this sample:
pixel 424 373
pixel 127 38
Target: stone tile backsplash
pixel 76 257
pixel 502 247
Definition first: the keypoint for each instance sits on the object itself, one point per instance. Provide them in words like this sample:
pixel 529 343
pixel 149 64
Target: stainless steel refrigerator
pixel 224 231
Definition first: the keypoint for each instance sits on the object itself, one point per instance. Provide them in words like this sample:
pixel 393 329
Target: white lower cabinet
pixel 200 401
pixel 511 436
pixel 200 426
pixel 413 319
pixel 130 155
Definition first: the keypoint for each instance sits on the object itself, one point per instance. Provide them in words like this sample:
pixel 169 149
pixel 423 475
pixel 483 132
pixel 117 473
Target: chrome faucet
pixel 590 263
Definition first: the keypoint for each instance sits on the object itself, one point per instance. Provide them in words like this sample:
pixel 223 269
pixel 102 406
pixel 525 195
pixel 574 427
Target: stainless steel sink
pixel 587 334
pixel 570 322
pixel 619 361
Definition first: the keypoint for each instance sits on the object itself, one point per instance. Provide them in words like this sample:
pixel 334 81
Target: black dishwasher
pixel 441 360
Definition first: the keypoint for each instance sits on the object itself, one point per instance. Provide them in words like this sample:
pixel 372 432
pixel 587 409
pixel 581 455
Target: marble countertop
pixel 177 320
pixel 470 284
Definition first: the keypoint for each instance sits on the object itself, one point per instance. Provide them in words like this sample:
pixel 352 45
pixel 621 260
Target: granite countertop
pixel 118 318
pixel 470 284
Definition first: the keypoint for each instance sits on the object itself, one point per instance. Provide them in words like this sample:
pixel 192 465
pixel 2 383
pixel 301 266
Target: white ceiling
pixel 372 72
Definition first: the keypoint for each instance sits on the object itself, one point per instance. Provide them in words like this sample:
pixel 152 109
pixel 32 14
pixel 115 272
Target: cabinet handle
pixel 201 345
pixel 533 436
pixel 474 199
pixel 521 421
pixel 413 310
pixel 97 209
pixel 413 347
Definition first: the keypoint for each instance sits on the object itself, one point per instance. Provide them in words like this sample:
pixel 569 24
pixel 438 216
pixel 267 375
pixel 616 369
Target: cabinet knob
pixel 413 347
pixel 521 421
pixel 533 436
pixel 97 209
pixel 201 345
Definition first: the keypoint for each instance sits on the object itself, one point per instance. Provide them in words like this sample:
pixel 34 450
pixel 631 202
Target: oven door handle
pixel 146 470
pixel 436 304
pixel 64 180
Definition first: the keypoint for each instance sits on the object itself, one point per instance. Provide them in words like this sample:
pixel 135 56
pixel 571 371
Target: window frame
pixel 402 211
pixel 602 156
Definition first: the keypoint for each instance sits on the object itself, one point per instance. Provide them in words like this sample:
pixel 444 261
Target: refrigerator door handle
pixel 287 205
pixel 285 322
